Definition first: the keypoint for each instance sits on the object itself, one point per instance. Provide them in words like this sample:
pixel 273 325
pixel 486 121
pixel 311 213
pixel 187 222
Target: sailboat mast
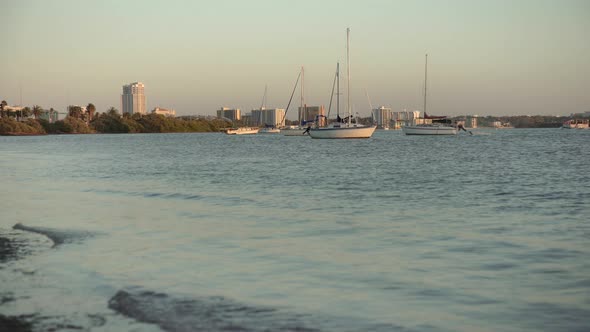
pixel 425 84
pixel 348 73
pixel 338 90
pixel 302 102
pixel 263 105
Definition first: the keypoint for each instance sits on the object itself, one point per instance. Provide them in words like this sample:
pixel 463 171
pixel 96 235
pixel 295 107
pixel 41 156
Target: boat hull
pixel 242 131
pixel 577 124
pixel 342 132
pixel 269 131
pixel 429 130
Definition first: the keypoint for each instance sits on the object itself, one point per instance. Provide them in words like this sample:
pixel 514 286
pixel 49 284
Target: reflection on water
pixel 174 232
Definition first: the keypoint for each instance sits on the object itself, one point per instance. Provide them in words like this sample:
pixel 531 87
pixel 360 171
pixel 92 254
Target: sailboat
pixel 347 127
pixel 267 129
pixel 299 129
pixel 439 125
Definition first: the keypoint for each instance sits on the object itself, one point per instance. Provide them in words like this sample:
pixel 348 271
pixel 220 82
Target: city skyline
pixel 485 57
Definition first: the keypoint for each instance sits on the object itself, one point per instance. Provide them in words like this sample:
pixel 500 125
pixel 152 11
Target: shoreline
pixel 58 134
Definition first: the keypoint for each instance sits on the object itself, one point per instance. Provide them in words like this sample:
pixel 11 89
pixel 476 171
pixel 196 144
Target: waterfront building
pixel 407 118
pixel 163 111
pixel 274 117
pixel 133 98
pixel 49 115
pixel 382 117
pixel 13 109
pixel 500 124
pixel 472 121
pixel 311 113
pixel 231 114
pixel 247 119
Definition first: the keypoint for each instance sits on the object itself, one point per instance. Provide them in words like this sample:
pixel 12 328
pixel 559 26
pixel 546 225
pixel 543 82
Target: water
pixel 209 232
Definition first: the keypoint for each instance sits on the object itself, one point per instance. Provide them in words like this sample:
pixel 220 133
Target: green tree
pixel 2 105
pixel 91 109
pixel 75 111
pixel 25 112
pixel 37 110
pixel 112 111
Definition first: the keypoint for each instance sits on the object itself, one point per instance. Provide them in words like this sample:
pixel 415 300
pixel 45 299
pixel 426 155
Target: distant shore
pixel 109 123
pixel 114 123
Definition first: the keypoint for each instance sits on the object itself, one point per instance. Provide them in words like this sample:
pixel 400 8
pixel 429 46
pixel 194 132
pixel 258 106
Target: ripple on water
pixel 58 236
pixel 218 313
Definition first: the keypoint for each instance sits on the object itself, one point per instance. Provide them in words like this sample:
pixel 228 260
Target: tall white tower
pixel 133 98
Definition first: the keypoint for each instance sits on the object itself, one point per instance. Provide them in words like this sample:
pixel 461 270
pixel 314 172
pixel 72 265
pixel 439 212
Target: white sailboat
pixel 349 128
pixel 299 129
pixel 267 129
pixel 439 125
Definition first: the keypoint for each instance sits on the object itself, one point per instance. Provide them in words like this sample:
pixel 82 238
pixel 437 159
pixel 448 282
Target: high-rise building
pixel 232 114
pixel 274 117
pixel 312 113
pixel 407 118
pixel 133 98
pixel 472 120
pixel 382 117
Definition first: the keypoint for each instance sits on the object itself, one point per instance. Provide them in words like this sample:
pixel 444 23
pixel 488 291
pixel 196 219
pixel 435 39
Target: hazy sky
pixel 485 57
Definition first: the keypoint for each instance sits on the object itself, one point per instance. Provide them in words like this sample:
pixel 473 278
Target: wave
pixel 15 245
pixel 230 200
pixel 218 313
pixel 56 235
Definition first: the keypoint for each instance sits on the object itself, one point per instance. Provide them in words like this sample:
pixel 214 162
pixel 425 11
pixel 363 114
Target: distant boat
pixel 269 130
pixel 577 124
pixel 299 129
pixel 347 127
pixel 242 131
pixel 439 125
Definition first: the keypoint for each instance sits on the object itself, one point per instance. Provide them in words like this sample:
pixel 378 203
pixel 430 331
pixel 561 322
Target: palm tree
pixel 91 109
pixel 37 110
pixel 25 112
pixel 2 105
pixel 112 111
pixel 75 111
pixel 52 112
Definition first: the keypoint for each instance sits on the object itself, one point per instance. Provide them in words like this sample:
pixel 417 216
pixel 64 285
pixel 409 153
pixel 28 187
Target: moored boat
pixel 349 128
pixel 344 131
pixel 242 131
pixel 296 130
pixel 439 125
pixel 430 129
pixel 577 124
pixel 269 130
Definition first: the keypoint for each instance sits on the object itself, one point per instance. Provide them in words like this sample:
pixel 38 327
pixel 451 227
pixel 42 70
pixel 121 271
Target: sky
pixel 525 57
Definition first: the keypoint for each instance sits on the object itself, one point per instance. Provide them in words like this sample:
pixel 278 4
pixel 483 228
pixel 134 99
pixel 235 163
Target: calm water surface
pixel 210 232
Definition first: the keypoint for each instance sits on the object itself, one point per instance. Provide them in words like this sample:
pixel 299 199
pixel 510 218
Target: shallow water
pixel 184 232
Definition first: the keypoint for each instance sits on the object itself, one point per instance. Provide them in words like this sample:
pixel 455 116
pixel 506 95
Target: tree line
pixel 36 121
